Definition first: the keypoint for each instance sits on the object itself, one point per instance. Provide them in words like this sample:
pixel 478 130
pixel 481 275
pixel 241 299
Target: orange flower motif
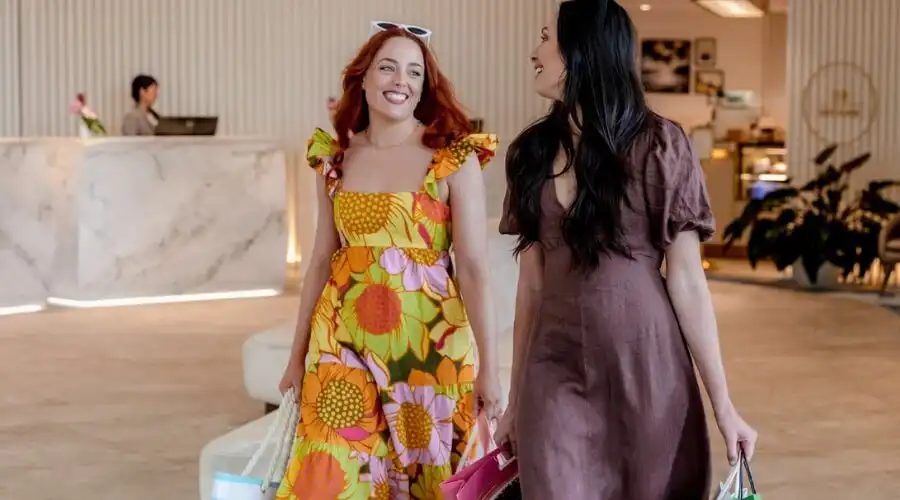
pixel 319 477
pixel 444 163
pixel 339 406
pixel 446 375
pixel 464 421
pixel 427 209
pixel 350 260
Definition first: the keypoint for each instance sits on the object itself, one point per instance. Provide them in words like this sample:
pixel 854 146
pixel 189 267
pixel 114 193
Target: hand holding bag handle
pixel 744 465
pixel 485 431
pixel 283 428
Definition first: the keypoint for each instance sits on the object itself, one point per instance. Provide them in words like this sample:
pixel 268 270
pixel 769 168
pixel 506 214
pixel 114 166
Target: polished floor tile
pixel 117 403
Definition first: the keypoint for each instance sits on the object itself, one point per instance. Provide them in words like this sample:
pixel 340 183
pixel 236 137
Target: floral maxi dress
pixel 386 402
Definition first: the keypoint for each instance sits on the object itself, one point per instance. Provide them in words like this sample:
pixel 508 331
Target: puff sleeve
pixel 448 160
pixel 675 187
pixel 321 152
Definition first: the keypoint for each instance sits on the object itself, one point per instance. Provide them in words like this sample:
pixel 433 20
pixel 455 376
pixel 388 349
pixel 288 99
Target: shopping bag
pixel 281 435
pixel 734 487
pixel 492 477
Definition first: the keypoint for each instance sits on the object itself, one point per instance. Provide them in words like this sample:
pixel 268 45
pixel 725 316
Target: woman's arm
pixel 469 216
pixel 689 293
pixel 318 272
pixel 528 300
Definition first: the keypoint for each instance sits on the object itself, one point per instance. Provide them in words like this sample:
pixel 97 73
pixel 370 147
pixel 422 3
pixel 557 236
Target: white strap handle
pixel 731 485
pixel 284 429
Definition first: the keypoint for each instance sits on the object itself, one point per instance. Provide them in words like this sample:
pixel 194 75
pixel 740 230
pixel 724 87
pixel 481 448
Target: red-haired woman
pixel 390 392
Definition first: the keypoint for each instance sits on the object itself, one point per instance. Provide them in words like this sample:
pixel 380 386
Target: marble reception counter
pixel 116 219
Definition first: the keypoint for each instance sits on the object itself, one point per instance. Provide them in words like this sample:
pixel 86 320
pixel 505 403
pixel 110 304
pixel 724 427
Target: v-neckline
pixel 555 195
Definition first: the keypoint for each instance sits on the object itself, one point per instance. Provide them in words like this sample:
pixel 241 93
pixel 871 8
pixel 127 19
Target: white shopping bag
pixel 732 488
pixel 281 436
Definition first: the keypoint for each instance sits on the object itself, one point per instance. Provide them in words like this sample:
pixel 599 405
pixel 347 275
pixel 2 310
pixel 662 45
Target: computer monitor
pixel 187 125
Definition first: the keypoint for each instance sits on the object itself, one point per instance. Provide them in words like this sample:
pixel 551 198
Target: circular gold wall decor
pixel 839 103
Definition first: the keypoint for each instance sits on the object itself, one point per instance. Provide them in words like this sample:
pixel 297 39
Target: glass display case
pixel 760 168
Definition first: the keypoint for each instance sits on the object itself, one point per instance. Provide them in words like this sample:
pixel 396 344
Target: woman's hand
pixel 488 395
pixel 736 433
pixel 293 375
pixel 505 436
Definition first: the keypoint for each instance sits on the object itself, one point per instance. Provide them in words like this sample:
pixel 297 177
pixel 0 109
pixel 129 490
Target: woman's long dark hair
pixel 140 83
pixel 603 98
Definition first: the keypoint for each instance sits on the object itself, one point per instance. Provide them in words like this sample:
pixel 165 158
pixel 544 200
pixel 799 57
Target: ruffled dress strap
pixel 449 159
pixel 321 153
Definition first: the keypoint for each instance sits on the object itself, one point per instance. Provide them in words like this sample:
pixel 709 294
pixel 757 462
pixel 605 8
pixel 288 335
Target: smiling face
pixel 549 67
pixel 395 80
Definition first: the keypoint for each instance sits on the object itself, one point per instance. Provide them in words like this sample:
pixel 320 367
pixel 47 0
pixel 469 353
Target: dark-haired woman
pixel 142 119
pixel 604 403
pixel 385 351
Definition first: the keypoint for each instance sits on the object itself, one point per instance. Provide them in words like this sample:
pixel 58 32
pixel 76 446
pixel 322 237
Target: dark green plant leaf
pixel 825 154
pixel 855 163
pixel 787 216
pixel 761 240
pixel 881 185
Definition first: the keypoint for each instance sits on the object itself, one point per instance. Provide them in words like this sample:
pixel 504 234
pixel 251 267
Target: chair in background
pixel 889 249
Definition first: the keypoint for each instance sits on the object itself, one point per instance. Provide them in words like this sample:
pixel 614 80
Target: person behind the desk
pixel 142 119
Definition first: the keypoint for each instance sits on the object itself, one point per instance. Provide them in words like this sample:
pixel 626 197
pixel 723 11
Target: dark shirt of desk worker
pixel 142 119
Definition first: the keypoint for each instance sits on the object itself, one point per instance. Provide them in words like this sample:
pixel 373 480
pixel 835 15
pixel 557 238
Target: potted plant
pixel 812 228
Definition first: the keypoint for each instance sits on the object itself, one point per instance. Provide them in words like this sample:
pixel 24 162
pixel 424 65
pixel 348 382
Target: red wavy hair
pixel 438 109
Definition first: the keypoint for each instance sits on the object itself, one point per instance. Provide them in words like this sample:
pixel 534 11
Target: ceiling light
pixel 646 6
pixel 731 8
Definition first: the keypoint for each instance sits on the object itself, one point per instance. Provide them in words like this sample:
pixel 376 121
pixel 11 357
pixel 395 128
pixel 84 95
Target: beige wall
pixel 266 66
pixel 861 34
pixel 751 52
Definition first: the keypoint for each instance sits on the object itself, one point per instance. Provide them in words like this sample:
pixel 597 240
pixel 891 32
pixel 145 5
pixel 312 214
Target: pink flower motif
pixel 381 476
pixel 415 274
pixel 347 358
pixel 426 420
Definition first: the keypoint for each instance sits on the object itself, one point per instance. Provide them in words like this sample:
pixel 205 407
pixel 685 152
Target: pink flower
pixel 348 358
pixel 416 274
pixel 421 425
pixel 384 479
pixel 75 107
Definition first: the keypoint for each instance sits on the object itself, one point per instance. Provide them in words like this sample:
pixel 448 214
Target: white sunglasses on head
pixel 423 34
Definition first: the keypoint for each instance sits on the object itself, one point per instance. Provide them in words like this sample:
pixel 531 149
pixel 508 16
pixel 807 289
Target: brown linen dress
pixel 609 407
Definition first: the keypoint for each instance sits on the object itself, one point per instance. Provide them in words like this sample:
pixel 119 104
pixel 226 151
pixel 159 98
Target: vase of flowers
pixel 89 124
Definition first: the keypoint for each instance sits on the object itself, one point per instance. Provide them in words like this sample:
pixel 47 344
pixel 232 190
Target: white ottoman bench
pixel 231 452
pixel 265 356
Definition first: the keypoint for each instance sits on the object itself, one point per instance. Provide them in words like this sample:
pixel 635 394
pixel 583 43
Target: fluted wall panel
pixel 844 83
pixel 10 101
pixel 264 66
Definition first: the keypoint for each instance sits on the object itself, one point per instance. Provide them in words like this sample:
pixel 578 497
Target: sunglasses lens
pixel 415 30
pixel 387 26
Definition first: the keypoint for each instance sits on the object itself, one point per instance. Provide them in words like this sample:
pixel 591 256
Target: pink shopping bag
pixel 493 477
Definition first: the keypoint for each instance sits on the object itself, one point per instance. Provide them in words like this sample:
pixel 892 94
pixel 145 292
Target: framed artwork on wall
pixel 709 81
pixel 705 52
pixel 666 66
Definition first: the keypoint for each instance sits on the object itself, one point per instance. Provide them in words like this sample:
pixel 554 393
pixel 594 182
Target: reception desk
pixel 113 219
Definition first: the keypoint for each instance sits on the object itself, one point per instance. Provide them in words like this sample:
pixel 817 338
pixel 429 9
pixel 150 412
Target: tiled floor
pixel 116 404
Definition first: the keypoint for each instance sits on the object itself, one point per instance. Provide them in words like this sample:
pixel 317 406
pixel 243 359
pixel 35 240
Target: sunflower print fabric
pixel 386 404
